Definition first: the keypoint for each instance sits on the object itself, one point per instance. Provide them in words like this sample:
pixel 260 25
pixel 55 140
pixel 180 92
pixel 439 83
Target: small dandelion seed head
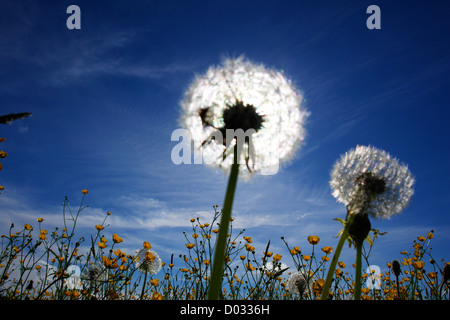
pixel 298 283
pixel 369 174
pixel 95 272
pixel 147 261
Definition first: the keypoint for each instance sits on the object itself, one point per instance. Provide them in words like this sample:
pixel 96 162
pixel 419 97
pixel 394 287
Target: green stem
pixel 219 255
pixel 337 253
pixel 357 293
pixel 143 286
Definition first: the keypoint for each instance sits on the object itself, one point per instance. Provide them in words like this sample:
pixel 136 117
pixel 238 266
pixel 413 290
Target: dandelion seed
pixel 242 95
pixel 95 273
pixel 369 175
pixel 147 261
pixel 298 283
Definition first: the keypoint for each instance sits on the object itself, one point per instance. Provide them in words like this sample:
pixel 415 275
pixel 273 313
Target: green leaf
pixel 341 221
pixel 369 240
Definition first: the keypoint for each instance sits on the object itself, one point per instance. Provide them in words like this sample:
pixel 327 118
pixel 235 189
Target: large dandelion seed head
pixel 382 179
pixel 240 94
pixel 147 261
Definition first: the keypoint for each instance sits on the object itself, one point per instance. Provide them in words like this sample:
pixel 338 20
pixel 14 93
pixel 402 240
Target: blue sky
pixel 105 100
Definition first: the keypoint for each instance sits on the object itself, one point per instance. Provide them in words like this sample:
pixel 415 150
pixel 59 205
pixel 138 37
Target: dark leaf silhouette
pixel 9 118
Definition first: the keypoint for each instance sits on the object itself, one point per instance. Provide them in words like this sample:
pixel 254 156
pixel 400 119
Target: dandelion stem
pixel 357 294
pixel 337 253
pixel 143 286
pixel 219 255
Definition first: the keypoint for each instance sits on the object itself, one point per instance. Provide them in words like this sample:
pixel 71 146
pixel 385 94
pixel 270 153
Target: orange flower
pixel 117 239
pixel 313 239
pixel 418 265
pixel 157 296
pixel 306 257
pixel 99 227
pixel 102 244
pixel 277 257
pixel 85 191
pixel 190 245
pixel 249 247
pixel 146 245
pixel 149 256
pixel 248 239
pixel 327 249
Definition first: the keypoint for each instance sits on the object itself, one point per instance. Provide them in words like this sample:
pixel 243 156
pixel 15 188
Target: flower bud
pixel 396 268
pixel 360 228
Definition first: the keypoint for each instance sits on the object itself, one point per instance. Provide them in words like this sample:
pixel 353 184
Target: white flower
pixel 381 179
pixel 147 261
pixel 95 272
pixel 299 282
pixel 271 102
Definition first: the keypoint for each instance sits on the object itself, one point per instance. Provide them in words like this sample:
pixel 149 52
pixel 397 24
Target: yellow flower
pixel 40 219
pixel 277 257
pixel 110 263
pixel 341 264
pixel 192 220
pixel 190 245
pixel 421 239
pixel 327 249
pixel 267 254
pixel 99 227
pixel 195 236
pixel 3 154
pixel 242 257
pixel 215 230
pixel 154 282
pixel 2 188
pixel 317 286
pixel 325 258
pixel 432 275
pixel 102 244
pixel 38 267
pixel 157 296
pixel 248 239
pixel 249 247
pixel 149 256
pixel 85 191
pixel 108 213
pixel 117 239
pixel 313 239
pixel 306 257
pixel 206 262
pixel 418 265
pixel 147 245
pixel 27 227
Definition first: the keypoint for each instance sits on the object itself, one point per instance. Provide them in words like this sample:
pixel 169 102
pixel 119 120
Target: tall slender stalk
pixel 357 293
pixel 219 255
pixel 337 253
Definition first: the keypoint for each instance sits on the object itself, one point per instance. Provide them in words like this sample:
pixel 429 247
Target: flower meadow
pixel 41 264
pixel 219 262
